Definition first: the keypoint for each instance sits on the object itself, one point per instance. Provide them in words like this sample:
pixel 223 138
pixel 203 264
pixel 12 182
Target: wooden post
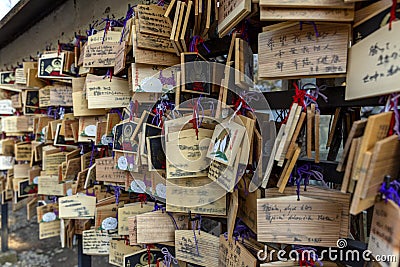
pixel 4 227
pixel 83 259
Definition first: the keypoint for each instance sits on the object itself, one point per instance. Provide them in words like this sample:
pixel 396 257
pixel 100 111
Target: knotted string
pixel 194 232
pixel 196 40
pixel 109 74
pixel 93 194
pixel 161 3
pixel 308 259
pixel 304 174
pixel 242 30
pixel 391 190
pixel 392 104
pixel 241 231
pixel 128 16
pixel 134 109
pixel 168 258
pixel 196 121
pixel 313 94
pixel 392 13
pixel 117 191
pixel 92 154
pixel 115 110
pixel 92 30
pixel 312 23
pixel 142 198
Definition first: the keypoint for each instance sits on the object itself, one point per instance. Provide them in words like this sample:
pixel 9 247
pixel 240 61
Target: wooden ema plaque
pixel 56 95
pixel 183 195
pixel 385 232
pixel 305 222
pixel 77 207
pixel 207 254
pixel 130 210
pixel 374 63
pixel 96 242
pixel 159 227
pixel 106 93
pixel 231 13
pixel 291 52
pixel 326 194
pixel 118 249
pixel 49 229
pixel 232 253
pixel 106 171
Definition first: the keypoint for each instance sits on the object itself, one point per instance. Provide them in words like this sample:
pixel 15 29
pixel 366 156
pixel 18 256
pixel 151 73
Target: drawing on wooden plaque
pixel 125 137
pixel 196 73
pixel 156 153
pixel 51 65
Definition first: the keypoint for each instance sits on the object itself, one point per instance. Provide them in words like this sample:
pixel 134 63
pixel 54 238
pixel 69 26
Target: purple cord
pixel 391 191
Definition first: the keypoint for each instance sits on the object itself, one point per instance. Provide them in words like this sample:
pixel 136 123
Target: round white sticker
pixel 161 191
pixel 106 140
pixel 109 223
pixel 36 180
pixel 138 186
pixel 122 163
pixel 151 84
pixel 69 192
pixel 90 130
pixel 49 217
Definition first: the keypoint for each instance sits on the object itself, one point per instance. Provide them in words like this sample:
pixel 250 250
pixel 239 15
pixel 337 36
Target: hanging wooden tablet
pixel 299 53
pixel 156 43
pixel 234 253
pixel 152 20
pixel 49 229
pixel 105 213
pixel 26 188
pixel 100 55
pixel 342 200
pixel 55 95
pixel 317 217
pixel 179 27
pixel 51 65
pixel 305 14
pixel 118 249
pixel 96 242
pixel 141 257
pixel 108 93
pixel 77 207
pixel 80 106
pixel 247 211
pixel 125 137
pixel 159 227
pixel 243 64
pixel 106 171
pixel 230 13
pixel 23 151
pixel 384 236
pixel 373 63
pixel 156 154
pixel 130 210
pixel 202 249
pixel 385 158
pixel 178 9
pixel 187 157
pixel 196 76
pixel 185 26
pixel 120 57
pixel 183 196
pixel 376 129
pixel 152 78
pixel 152 57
